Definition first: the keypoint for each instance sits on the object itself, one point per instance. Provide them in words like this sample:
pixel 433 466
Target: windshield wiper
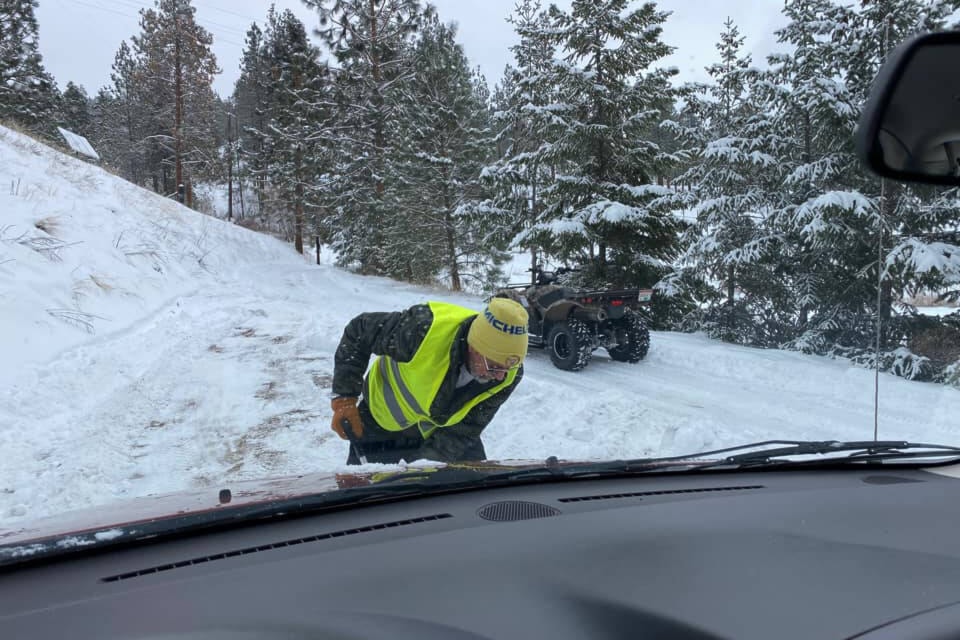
pixel 768 453
pixel 826 451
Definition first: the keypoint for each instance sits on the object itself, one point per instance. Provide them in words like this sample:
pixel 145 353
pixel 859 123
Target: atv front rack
pixel 604 295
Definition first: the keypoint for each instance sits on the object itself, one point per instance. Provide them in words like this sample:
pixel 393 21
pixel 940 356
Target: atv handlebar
pixel 559 270
pixel 542 276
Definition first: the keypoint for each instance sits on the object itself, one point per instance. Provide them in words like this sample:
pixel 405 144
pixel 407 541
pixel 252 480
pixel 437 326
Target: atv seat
pixel 545 296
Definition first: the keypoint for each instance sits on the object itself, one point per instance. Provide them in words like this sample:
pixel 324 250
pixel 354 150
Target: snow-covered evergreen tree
pixel 252 95
pixel 446 141
pixel 120 124
pixel 527 120
pixel 836 215
pixel 296 127
pixel 170 88
pixel 75 110
pixel 28 94
pixel 603 206
pixel 919 230
pixel 727 187
pixel 371 44
pixel 789 224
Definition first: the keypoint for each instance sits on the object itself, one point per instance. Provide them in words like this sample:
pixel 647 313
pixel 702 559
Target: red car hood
pixel 154 507
pixel 117 519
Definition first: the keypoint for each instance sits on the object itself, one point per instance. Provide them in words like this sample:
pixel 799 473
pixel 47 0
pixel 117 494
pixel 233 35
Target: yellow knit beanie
pixel 499 333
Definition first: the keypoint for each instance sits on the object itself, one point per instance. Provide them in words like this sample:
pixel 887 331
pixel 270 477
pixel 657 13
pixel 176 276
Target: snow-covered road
pixel 232 382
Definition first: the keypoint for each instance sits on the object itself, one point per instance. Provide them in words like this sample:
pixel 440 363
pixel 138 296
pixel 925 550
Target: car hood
pixel 234 502
pixel 135 517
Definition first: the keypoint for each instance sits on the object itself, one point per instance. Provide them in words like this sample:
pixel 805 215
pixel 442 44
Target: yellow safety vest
pixel 400 394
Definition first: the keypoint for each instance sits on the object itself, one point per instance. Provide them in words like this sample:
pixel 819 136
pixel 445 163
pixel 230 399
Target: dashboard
pixel 769 554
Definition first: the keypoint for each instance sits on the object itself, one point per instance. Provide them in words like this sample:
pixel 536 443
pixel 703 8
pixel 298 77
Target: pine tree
pixel 75 110
pixel 28 94
pixel 917 227
pixel 253 93
pixel 603 204
pixel 171 86
pixel 833 218
pixel 447 140
pixel 529 120
pixel 490 228
pixel 371 43
pixel 295 119
pixel 807 275
pixel 729 180
pixel 119 129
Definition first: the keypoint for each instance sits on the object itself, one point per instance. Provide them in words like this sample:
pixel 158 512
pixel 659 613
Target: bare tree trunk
pixel 455 282
pixel 731 284
pixel 239 173
pixel 229 168
pixel 178 95
pixel 372 263
pixel 534 210
pixel 451 238
pixel 298 205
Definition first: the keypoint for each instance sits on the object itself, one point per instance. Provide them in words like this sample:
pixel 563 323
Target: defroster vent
pixel 272 545
pixel 665 492
pixel 516 510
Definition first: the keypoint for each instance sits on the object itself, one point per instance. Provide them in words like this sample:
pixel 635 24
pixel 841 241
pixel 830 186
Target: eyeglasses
pixel 494 367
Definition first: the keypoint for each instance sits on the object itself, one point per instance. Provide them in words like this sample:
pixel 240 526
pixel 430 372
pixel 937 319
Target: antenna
pixel 883 201
pixel 876 368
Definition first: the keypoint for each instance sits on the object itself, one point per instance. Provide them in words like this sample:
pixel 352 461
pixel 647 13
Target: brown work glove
pixel 345 408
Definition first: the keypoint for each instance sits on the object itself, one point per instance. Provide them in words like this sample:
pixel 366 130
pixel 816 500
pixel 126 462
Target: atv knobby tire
pixel 570 344
pixel 633 339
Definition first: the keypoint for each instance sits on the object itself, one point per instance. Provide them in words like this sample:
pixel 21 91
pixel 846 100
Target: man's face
pixel 486 370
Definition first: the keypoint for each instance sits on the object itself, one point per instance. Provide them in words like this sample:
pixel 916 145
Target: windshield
pixel 242 241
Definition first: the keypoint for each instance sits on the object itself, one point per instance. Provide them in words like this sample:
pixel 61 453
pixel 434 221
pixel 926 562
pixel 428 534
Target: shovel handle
pixel 348 430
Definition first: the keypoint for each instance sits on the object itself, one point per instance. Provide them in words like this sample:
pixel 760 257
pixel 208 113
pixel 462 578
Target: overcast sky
pixel 79 38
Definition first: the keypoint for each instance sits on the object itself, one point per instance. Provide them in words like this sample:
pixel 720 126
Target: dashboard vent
pixel 889 480
pixel 273 545
pixel 516 510
pixel 666 492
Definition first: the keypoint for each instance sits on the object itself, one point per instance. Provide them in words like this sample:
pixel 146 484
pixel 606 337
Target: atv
pixel 572 323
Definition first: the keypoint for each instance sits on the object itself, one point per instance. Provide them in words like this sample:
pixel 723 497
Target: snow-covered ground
pixel 147 349
pixel 937 311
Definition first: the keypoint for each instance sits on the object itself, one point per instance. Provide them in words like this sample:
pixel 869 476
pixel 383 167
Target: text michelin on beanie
pixel 499 333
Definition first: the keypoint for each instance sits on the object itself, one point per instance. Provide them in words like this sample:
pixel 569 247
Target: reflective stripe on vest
pixel 400 394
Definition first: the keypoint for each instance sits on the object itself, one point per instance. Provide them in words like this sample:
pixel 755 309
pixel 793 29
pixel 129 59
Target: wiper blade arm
pixel 758 454
pixel 821 447
pixel 857 451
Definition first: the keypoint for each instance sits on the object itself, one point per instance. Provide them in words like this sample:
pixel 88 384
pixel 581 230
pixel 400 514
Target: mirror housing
pixel 910 126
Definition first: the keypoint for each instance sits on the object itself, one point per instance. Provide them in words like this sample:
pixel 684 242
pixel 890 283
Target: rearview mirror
pixel 910 126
